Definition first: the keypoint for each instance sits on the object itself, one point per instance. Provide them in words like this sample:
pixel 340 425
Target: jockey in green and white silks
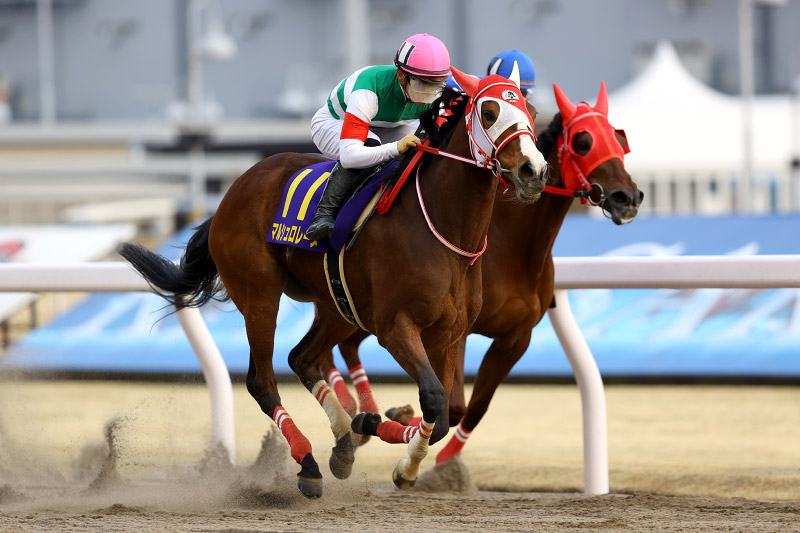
pixel 370 117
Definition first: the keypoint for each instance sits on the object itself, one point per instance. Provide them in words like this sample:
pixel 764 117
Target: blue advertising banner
pixel 704 332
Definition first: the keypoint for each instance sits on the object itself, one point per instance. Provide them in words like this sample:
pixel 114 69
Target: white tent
pixel 676 124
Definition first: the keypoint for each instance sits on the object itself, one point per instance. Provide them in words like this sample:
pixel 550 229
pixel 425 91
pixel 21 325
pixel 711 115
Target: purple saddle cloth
pixel 299 204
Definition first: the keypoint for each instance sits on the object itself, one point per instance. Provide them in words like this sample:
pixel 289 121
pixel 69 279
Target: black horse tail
pixel 191 283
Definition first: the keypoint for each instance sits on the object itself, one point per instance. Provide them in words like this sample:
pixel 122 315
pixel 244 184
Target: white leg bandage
pixel 340 420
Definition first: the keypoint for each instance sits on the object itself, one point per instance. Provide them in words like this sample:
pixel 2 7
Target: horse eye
pixel 489 116
pixel 582 144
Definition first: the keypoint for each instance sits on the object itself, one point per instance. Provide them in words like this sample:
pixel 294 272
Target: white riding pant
pixel 326 132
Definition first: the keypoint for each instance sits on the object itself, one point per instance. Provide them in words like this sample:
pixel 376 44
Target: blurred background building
pixel 103 101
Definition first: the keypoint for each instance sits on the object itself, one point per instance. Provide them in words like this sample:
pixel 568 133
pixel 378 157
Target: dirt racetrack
pixel 691 458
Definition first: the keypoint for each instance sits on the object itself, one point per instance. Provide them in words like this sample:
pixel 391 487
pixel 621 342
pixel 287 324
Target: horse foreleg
pixel 458 405
pixel 402 340
pixel 502 355
pixel 303 359
pixel 349 349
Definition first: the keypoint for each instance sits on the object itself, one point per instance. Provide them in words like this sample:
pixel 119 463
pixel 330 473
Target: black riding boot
pixel 340 183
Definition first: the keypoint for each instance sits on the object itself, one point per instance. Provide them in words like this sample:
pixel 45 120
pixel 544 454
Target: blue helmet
pixel 503 63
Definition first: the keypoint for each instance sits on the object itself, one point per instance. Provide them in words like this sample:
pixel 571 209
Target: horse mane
pixel 441 117
pixel 548 139
pixel 436 124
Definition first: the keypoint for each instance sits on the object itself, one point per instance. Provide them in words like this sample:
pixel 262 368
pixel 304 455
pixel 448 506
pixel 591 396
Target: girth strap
pixel 334 274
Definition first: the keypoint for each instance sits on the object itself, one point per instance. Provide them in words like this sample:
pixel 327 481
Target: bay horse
pixel 417 296
pixel 518 273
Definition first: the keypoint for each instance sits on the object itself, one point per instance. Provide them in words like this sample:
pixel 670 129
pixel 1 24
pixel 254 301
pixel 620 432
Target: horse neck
pixel 534 227
pixel 459 197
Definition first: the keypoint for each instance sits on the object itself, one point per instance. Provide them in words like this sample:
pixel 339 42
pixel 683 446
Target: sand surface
pixel 681 458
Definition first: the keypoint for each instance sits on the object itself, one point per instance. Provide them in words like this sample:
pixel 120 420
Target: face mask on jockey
pixel 423 90
pixel 527 94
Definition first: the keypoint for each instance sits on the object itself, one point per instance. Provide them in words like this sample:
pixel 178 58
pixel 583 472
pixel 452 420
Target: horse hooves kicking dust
pixel 109 475
pixel 449 476
pixel 400 481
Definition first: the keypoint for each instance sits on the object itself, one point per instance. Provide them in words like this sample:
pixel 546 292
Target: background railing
pixel 718 192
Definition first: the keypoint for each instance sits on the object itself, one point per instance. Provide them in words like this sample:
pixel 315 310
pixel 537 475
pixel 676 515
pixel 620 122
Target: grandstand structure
pixel 147 110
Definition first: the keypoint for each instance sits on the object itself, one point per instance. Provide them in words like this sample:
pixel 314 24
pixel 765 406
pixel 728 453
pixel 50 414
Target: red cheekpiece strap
pixel 298 443
pixel 354 128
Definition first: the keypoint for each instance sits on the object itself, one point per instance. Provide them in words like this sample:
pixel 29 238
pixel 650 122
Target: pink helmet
pixel 423 55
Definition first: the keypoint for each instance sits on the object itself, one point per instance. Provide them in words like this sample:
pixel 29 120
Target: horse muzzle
pixel 529 181
pixel 623 206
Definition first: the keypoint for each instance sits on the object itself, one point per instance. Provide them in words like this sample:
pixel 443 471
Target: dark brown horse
pixel 417 296
pixel 517 269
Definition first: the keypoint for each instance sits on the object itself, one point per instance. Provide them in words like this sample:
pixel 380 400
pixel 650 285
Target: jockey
pixel 370 117
pixel 503 64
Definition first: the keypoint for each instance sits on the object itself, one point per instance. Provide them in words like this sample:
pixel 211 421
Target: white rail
pixel 685 272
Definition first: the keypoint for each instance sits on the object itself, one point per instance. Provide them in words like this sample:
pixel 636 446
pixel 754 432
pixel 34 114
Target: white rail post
pixel 217 378
pixel 593 400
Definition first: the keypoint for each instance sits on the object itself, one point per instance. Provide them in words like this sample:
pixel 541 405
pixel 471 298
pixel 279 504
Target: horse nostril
pixel 641 198
pixel 621 198
pixel 525 172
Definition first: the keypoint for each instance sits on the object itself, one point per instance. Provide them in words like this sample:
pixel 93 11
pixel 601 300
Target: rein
pixel 481 160
pixel 441 239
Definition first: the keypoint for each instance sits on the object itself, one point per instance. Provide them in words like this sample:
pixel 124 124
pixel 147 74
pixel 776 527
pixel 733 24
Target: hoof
pixel 309 480
pixel 401 482
pixel 400 414
pixel 366 424
pixel 311 488
pixel 342 458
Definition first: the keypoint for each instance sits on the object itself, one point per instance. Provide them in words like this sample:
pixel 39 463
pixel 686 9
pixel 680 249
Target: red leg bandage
pixel 395 432
pixel 340 388
pixel 366 401
pixel 455 445
pixel 298 443
pixel 415 421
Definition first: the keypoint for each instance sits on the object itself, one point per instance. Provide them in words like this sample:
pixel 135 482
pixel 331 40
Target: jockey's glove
pixel 409 141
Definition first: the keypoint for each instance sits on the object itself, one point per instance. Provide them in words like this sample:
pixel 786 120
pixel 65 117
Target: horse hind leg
pixel 304 359
pixel 262 387
pixel 337 383
pixel 257 297
pixel 349 349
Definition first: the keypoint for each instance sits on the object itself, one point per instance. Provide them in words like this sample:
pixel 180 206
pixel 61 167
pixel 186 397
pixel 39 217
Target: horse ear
pixel 602 100
pixel 466 82
pixel 515 75
pixel 566 107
